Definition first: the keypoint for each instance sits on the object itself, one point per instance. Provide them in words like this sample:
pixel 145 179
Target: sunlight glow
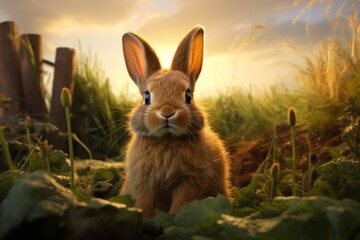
pixel 165 59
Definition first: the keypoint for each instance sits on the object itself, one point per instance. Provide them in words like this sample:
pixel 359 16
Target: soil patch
pixel 248 155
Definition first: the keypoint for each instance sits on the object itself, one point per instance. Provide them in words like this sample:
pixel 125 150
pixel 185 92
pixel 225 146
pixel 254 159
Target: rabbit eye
pixel 188 97
pixel 147 97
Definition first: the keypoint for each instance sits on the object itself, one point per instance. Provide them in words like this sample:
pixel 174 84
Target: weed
pixel 351 123
pixel 292 123
pixel 66 101
pixel 7 153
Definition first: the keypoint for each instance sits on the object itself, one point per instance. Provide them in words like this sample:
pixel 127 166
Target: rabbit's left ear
pixel 141 60
pixel 189 55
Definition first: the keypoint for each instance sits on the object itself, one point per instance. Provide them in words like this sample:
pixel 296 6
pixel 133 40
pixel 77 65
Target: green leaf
pixel 160 221
pixel 203 213
pixel 5 187
pixel 247 198
pixel 196 217
pixel 57 159
pixel 101 219
pixel 338 180
pixel 104 175
pixel 128 220
pixel 124 199
pixel 296 218
pixel 35 196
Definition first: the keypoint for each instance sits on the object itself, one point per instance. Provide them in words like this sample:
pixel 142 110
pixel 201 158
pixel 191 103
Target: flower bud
pixel 275 170
pixel 292 117
pixel 65 97
pixel 28 122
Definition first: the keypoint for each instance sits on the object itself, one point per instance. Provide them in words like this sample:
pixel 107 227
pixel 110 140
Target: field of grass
pixel 319 200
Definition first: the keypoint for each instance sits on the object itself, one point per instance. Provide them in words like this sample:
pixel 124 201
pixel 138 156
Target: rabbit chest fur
pixel 175 170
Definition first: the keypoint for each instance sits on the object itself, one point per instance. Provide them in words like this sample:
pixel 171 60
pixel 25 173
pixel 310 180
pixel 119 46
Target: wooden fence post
pixel 63 77
pixel 10 76
pixel 32 76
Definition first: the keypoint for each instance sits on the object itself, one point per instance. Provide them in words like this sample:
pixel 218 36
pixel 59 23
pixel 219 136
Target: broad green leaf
pixel 103 174
pixel 124 199
pixel 32 197
pixel 197 217
pixel 298 218
pixel 203 213
pixel 160 221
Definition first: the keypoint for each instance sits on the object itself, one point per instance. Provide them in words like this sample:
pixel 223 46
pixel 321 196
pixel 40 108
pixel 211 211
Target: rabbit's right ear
pixel 141 60
pixel 188 57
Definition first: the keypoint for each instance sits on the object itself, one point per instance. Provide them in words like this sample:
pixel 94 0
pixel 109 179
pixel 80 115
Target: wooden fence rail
pixel 21 76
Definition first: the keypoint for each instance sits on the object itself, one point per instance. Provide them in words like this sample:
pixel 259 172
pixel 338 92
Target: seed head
pixel 65 97
pixel 292 117
pixel 28 122
pixel 45 147
pixel 275 170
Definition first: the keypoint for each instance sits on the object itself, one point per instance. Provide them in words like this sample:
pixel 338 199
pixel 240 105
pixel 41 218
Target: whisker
pixel 100 127
pixel 114 107
pixel 224 121
pixel 117 139
pixel 116 126
pixel 102 140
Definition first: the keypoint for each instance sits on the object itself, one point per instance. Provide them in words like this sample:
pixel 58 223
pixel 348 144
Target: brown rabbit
pixel 173 156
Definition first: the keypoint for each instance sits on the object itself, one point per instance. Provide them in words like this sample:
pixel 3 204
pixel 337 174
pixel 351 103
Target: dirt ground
pixel 248 155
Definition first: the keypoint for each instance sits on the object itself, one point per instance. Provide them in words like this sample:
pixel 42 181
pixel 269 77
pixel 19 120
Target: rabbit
pixel 173 156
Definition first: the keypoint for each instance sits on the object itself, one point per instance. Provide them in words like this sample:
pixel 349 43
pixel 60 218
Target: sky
pixel 248 44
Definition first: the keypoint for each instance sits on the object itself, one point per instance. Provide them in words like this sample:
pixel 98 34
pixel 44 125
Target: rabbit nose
pixel 167 111
pixel 168 116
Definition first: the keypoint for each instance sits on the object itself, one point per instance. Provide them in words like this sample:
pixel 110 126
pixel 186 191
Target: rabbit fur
pixel 173 157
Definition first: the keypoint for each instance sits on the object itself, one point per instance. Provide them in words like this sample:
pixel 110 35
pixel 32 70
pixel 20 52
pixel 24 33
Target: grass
pixel 237 115
pixel 5 148
pixel 99 116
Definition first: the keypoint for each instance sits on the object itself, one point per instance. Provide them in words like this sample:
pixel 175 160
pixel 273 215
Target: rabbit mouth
pixel 168 129
pixel 168 125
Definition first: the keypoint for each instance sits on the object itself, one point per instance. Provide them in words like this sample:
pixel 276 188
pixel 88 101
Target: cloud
pixel 284 34
pixel 39 15
pixel 229 23
pixel 163 23
pixel 255 31
pixel 220 18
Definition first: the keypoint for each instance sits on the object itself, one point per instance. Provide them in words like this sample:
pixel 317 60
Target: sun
pixel 165 58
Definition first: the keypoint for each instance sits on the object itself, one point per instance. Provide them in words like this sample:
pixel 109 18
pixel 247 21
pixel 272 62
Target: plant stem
pixel 71 152
pixel 7 153
pixel 274 144
pixel 28 139
pixel 310 170
pixel 272 185
pixel 32 151
pixel 294 185
pixel 47 164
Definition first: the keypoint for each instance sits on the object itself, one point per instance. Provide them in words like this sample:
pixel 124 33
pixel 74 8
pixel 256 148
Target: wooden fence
pixel 21 76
